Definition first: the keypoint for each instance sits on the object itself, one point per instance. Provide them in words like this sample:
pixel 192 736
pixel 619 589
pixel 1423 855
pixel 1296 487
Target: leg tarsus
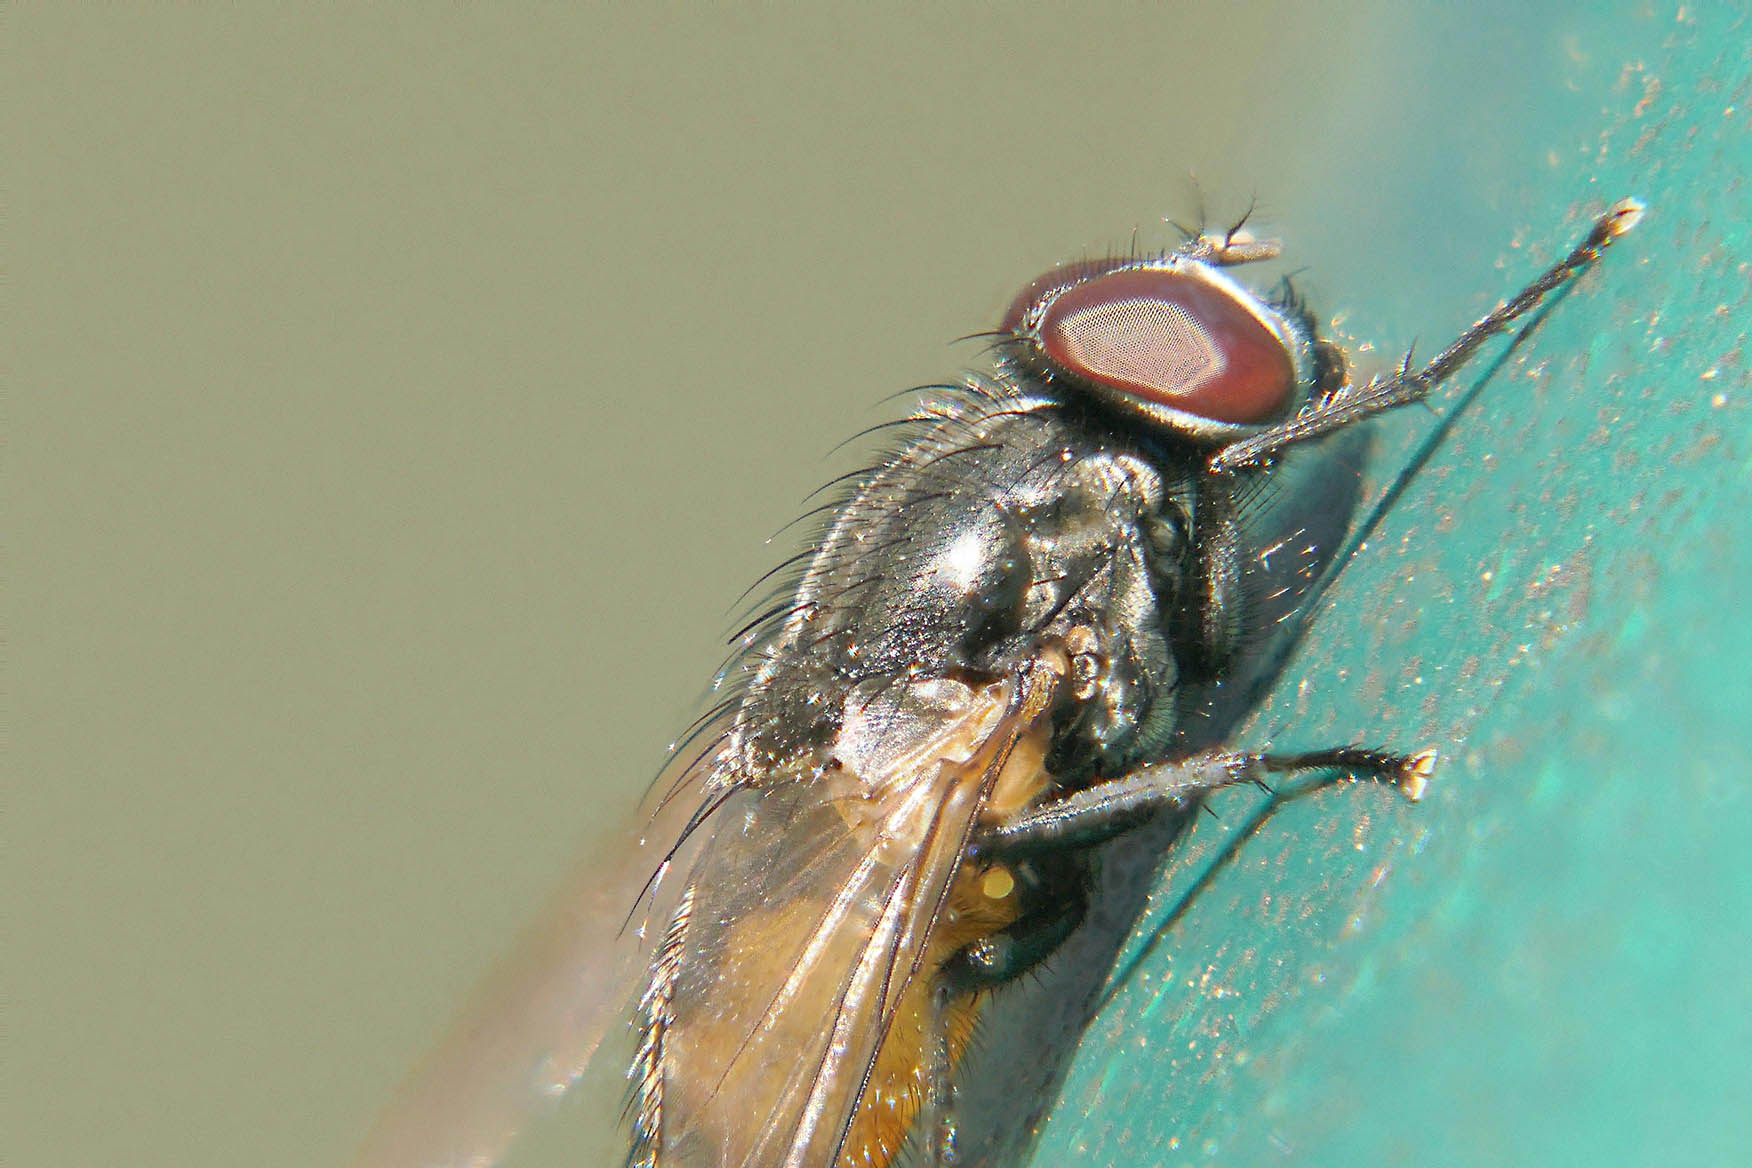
pixel 1411 773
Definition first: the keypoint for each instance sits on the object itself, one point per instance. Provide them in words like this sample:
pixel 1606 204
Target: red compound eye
pixel 1169 338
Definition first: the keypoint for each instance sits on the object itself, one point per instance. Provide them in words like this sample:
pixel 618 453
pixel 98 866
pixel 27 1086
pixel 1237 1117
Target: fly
pixel 981 673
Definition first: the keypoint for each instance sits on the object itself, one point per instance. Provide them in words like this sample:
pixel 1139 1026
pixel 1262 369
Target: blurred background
pixel 404 395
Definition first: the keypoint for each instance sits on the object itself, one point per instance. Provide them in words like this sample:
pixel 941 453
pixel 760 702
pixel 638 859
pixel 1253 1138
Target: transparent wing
pixel 809 921
pixel 532 1026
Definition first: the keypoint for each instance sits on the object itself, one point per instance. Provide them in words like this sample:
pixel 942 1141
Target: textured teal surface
pixel 1544 963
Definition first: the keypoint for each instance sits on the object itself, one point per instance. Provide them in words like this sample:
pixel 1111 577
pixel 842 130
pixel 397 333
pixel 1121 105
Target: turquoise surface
pixel 1545 962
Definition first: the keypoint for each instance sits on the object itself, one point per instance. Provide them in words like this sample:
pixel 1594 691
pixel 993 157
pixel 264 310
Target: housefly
pixel 979 672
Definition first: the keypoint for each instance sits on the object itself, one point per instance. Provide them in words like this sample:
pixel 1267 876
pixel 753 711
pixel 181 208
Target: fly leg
pixel 1112 808
pixel 939 1109
pixel 1035 849
pixel 1351 404
pixel 1208 624
pixel 1053 899
pixel 1053 896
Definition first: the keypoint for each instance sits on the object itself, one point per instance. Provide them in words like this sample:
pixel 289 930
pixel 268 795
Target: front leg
pixel 1351 404
pixel 1112 808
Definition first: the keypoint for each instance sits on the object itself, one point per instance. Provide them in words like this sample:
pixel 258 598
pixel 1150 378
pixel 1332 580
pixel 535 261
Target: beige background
pixel 402 396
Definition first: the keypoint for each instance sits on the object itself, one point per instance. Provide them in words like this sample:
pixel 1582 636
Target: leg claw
pixel 1416 772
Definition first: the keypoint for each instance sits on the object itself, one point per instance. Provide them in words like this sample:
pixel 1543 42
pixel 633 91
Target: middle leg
pixel 1111 808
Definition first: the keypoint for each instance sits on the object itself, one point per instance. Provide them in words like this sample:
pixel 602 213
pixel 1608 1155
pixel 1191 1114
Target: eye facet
pixel 1170 339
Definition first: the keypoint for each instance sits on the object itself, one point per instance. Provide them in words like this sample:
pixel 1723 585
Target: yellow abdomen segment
pixel 981 903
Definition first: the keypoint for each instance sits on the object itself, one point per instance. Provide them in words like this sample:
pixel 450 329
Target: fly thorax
pixel 1098 584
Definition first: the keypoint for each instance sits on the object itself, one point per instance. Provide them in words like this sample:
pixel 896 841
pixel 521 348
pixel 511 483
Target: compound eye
pixel 1168 338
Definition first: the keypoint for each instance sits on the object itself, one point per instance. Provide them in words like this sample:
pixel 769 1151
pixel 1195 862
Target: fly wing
pixel 533 1024
pixel 809 917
